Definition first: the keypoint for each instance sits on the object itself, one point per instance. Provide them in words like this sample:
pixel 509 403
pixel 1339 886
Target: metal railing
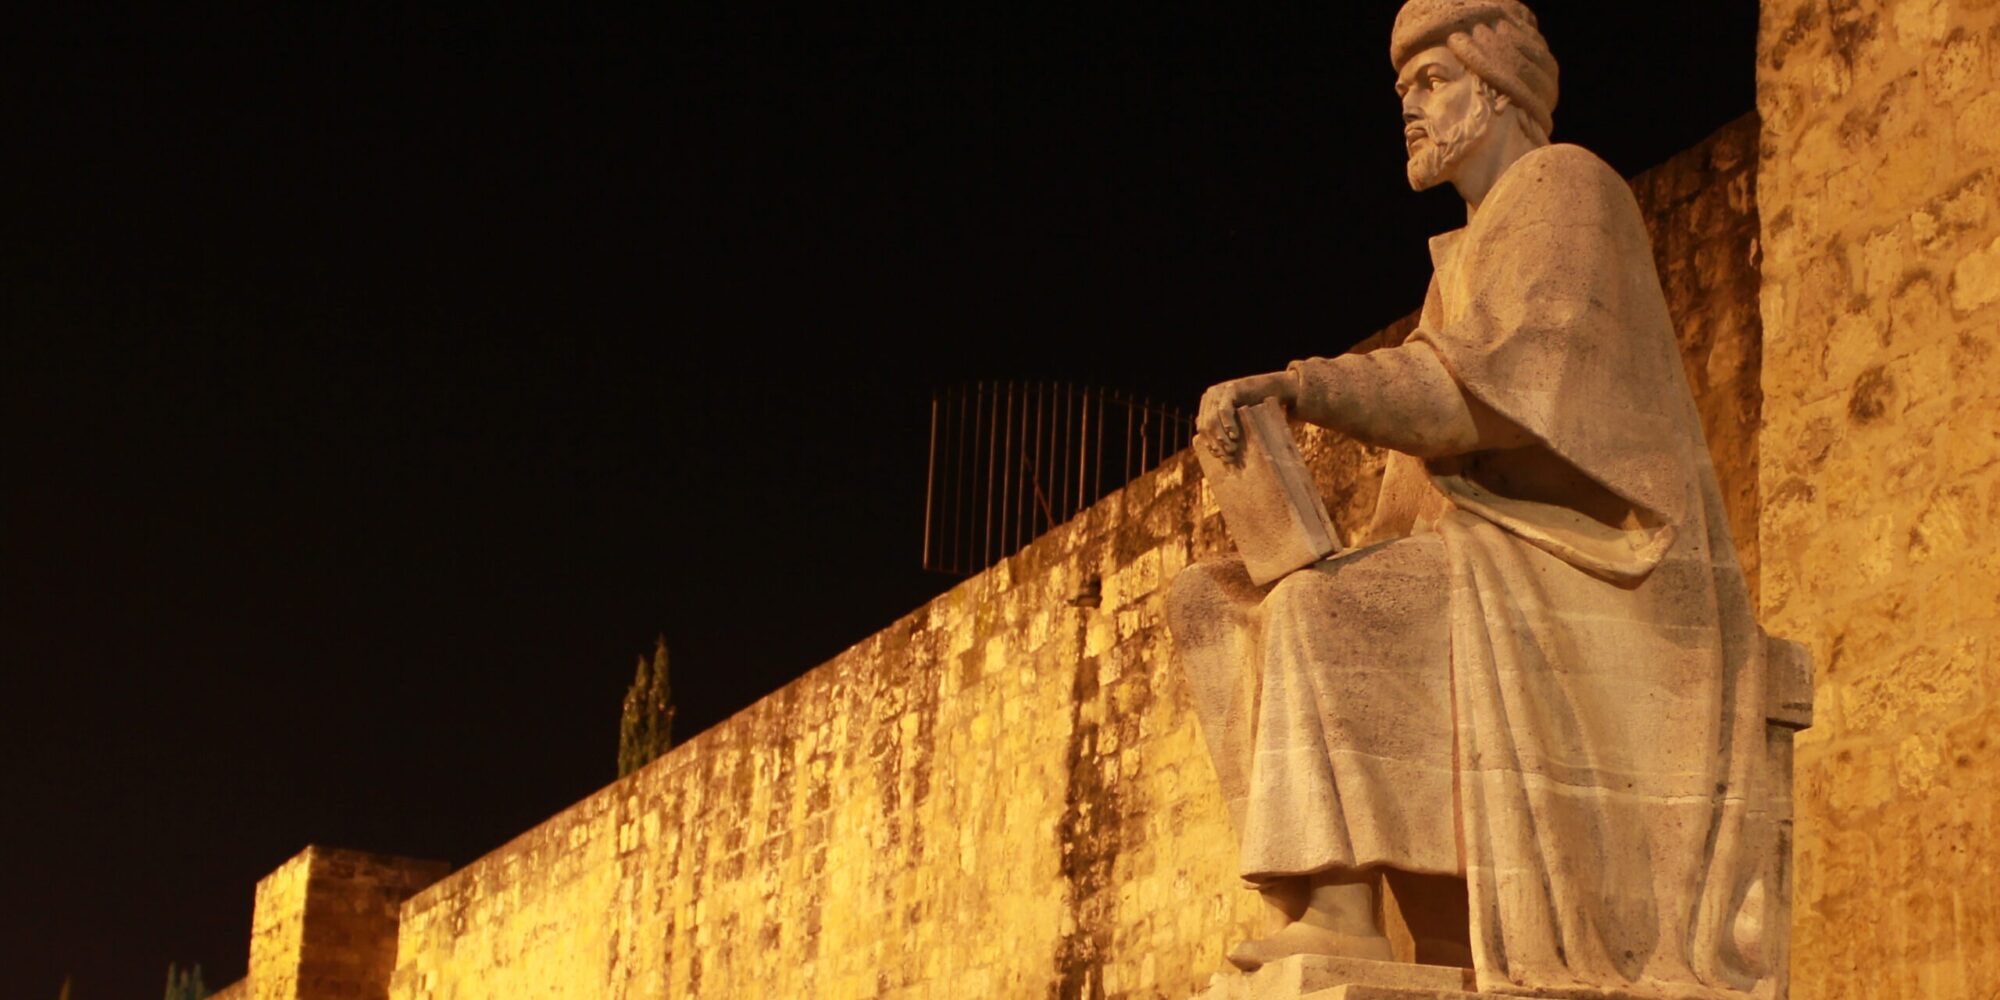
pixel 1011 460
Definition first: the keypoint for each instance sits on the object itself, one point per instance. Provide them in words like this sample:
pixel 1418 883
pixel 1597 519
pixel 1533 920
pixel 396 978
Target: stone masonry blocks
pixel 1001 794
pixel 325 924
pixel 1880 472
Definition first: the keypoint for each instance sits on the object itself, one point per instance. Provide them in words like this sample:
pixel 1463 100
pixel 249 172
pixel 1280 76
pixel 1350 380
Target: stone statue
pixel 1531 699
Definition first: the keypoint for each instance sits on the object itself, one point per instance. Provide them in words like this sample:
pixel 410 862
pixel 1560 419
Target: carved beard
pixel 1433 162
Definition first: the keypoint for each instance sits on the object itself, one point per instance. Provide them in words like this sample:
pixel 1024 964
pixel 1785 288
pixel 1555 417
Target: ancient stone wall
pixel 1001 795
pixel 1880 472
pixel 325 925
pixel 277 931
pixel 1701 208
pixel 998 795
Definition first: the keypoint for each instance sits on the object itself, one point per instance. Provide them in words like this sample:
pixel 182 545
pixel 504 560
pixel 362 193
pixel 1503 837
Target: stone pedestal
pixel 1324 977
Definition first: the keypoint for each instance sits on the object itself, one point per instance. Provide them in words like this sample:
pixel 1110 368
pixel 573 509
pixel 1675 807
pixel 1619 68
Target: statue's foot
pixel 1301 938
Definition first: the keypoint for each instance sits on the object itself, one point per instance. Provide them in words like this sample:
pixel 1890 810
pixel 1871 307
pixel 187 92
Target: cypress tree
pixel 646 723
pixel 632 723
pixel 660 702
pixel 182 984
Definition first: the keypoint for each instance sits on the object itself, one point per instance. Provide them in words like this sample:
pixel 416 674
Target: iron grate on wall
pixel 1011 460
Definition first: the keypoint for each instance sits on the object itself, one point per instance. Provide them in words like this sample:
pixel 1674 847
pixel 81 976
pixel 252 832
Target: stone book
pixel 1268 500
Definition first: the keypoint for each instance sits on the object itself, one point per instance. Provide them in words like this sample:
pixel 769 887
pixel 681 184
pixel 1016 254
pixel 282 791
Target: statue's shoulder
pixel 1562 165
pixel 1563 180
pixel 1569 157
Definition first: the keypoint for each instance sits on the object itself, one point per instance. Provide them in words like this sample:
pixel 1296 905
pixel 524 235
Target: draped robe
pixel 1544 674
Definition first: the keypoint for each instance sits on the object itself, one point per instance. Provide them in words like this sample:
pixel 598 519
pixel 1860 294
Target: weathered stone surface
pixel 1312 975
pixel 1878 186
pixel 325 925
pixel 1274 512
pixel 1880 469
pixel 1701 208
pixel 1324 978
pixel 1349 738
pixel 1356 992
pixel 999 792
pixel 1370 713
pixel 277 930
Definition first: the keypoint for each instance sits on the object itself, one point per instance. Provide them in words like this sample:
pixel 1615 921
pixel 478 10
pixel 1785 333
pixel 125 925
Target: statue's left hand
pixel 1216 421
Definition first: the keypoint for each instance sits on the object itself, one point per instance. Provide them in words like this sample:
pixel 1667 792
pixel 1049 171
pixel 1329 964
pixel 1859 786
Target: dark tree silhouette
pixel 646 726
pixel 182 984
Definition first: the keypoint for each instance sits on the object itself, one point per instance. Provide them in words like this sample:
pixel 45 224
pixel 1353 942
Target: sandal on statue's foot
pixel 1299 938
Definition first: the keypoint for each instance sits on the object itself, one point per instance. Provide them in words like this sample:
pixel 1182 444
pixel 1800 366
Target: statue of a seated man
pixel 1536 684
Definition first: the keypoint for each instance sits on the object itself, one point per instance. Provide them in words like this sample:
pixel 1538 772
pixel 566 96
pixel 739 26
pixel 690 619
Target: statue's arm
pixel 1402 398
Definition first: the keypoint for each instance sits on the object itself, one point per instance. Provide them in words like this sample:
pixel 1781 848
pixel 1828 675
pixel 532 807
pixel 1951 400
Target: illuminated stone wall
pixel 277 931
pixel 1001 795
pixel 1701 207
pixel 325 925
pixel 1880 472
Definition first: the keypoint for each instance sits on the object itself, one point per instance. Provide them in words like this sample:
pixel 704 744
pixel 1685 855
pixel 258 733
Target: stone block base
pixel 1325 977
pixel 1351 992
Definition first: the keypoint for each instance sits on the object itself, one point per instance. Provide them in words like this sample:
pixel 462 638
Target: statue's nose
pixel 1410 114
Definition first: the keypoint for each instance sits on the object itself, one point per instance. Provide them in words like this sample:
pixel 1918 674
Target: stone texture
pixel 991 793
pixel 325 925
pixel 277 931
pixel 1880 472
pixel 1275 515
pixel 1701 208
pixel 998 792
pixel 1363 710
pixel 790 853
pixel 1352 992
pixel 1322 978
pixel 1301 976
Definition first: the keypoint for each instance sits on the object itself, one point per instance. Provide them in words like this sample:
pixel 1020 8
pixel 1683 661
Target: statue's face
pixel 1446 114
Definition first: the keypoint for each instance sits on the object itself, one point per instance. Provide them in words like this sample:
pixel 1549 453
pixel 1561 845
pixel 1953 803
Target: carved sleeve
pixel 1400 398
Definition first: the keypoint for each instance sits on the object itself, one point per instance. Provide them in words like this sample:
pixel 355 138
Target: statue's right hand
pixel 1216 421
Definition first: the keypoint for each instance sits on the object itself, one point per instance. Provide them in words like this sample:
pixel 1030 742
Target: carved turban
pixel 1502 43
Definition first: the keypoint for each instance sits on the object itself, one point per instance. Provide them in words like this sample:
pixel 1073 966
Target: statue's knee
pixel 1186 588
pixel 1203 588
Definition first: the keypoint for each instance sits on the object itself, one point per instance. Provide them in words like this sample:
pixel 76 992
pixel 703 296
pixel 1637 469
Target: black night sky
pixel 377 383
